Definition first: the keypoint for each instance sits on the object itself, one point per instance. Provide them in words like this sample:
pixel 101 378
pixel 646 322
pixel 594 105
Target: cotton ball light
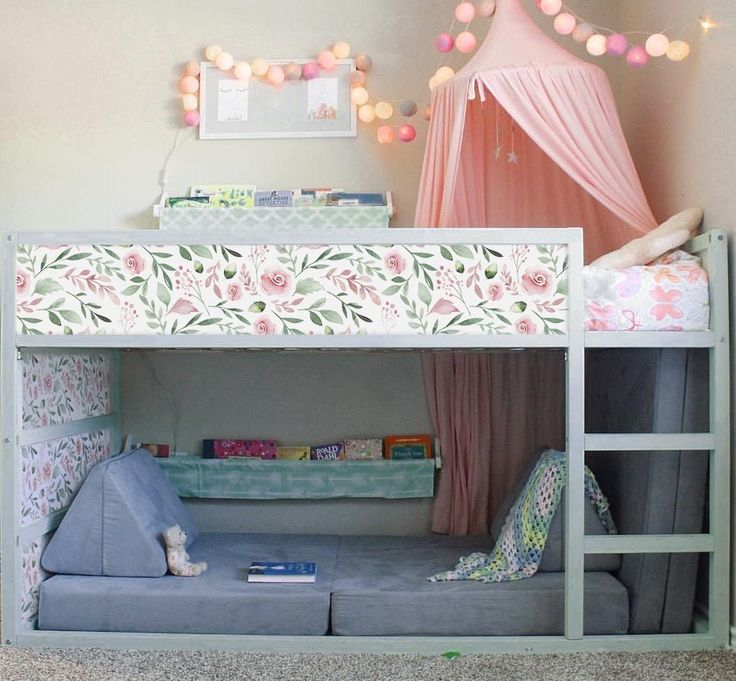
pixel 224 61
pixel 427 113
pixel 189 102
pixel 191 68
pixel 616 44
pixel 293 71
pixel 596 45
pixel 211 52
pixel 191 119
pixel 407 133
pixel 385 134
pixel 657 45
pixel 465 12
pixel 678 50
pixel 444 73
pixel 408 108
pixel 367 113
pixel 275 75
pixel 341 49
pixel 259 66
pixel 444 42
pixel 363 62
pixel 384 110
pixel 582 32
pixel 326 59
pixel 310 70
pixel 357 78
pixel 637 56
pixel 487 8
pixel 359 96
pixel 242 70
pixel 465 42
pixel 550 7
pixel 565 23
pixel 189 85
pixel 433 82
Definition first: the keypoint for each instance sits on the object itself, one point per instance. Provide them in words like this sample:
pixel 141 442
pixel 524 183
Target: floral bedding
pixel 671 294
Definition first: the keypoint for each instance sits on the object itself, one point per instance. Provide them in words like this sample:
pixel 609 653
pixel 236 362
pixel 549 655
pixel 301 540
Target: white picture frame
pixel 266 111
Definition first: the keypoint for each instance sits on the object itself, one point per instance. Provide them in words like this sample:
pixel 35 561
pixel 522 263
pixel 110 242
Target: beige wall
pixel 90 103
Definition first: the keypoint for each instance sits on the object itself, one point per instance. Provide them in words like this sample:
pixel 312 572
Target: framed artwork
pixel 243 109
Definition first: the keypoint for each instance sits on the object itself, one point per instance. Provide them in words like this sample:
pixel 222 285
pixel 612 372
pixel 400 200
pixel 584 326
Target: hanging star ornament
pixel 513 157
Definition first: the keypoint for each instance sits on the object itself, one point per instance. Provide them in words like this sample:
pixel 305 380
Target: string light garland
pixel 325 60
pixel 600 41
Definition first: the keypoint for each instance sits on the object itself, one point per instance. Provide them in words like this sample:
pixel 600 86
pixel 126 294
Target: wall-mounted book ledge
pixel 269 479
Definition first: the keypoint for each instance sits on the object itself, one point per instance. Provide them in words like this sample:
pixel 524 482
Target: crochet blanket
pixel 518 551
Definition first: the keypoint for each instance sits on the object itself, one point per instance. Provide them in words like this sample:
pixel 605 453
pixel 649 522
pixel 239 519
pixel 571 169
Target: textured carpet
pixel 96 665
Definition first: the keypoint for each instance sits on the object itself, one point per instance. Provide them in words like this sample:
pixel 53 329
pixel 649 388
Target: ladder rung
pixel 613 442
pixel 649 543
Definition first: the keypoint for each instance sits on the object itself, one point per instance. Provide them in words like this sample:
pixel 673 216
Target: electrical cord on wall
pixel 172 399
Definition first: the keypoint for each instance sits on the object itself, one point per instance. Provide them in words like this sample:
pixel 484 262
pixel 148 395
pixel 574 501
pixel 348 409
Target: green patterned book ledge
pixel 260 479
pixel 343 217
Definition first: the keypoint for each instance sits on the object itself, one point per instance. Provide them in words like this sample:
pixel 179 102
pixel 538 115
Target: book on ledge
pixel 279 572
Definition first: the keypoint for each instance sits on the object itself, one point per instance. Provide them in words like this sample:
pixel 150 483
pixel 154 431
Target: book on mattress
pixel 279 572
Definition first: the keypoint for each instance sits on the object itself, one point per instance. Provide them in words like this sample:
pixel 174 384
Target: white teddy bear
pixel 177 558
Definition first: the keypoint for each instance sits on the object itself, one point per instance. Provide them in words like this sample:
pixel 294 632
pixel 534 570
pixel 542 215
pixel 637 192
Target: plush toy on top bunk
pixel 670 235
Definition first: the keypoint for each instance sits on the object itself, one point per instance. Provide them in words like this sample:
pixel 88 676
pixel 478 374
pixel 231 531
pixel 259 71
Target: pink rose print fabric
pixel 32 575
pixel 671 294
pixel 64 388
pixel 53 471
pixel 273 290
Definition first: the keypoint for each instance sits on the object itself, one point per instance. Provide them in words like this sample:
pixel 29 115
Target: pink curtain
pixel 459 402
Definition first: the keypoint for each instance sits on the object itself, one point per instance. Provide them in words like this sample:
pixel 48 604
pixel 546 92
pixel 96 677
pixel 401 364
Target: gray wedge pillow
pixel 114 525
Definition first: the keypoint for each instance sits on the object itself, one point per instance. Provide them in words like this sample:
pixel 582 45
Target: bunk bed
pixel 78 299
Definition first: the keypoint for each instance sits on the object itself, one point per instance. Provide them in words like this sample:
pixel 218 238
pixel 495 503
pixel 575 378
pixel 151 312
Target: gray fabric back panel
pixel 219 601
pixel 553 558
pixel 382 590
pixel 652 493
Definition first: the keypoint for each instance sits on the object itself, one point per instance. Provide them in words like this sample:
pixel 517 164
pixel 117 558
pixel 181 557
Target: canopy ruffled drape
pixel 525 135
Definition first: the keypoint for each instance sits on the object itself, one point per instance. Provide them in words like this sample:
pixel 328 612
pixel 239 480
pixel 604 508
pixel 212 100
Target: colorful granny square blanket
pixel 518 551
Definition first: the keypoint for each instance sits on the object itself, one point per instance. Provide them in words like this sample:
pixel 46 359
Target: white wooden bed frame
pixel 712 247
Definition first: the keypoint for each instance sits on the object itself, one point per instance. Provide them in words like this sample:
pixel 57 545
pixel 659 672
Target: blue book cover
pixel 274 572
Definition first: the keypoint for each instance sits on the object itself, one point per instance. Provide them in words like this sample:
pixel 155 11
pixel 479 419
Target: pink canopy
pixel 527 135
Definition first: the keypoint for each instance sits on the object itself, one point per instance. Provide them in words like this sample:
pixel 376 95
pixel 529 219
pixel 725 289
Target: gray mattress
pixel 365 586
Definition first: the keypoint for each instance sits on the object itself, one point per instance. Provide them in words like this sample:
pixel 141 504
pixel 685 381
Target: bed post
pixel 719 604
pixel 575 441
pixel 9 368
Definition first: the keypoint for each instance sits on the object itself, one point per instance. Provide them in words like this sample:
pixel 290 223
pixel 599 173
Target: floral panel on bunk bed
pixel 172 289
pixel 53 471
pixel 60 388
pixel 32 574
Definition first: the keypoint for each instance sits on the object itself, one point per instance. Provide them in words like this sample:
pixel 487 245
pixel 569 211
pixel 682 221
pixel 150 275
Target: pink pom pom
pixel 191 119
pixel 444 42
pixel 465 42
pixel 407 133
pixel 310 70
pixel 326 59
pixel 616 44
pixel 465 12
pixel 189 85
pixel 637 56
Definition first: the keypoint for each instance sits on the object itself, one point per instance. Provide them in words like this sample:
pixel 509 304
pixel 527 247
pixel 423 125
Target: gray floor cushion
pixel 382 590
pixel 218 602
